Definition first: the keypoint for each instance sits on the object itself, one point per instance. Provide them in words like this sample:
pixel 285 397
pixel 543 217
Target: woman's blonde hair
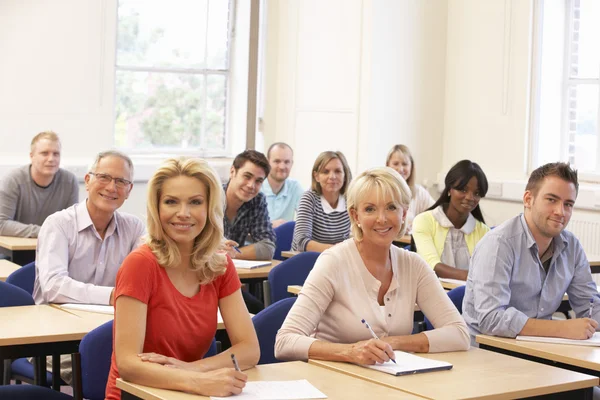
pixel 205 260
pixel 320 164
pixel 400 148
pixel 384 181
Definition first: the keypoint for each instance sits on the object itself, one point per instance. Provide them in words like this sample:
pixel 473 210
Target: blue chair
pixel 212 350
pixel 284 234
pixel 31 392
pixel 267 323
pixel 13 296
pixel 95 351
pixel 24 277
pixel 292 271
pixel 456 296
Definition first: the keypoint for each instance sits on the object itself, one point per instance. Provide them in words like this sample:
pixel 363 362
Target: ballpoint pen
pixel 591 308
pixel 374 334
pixel 237 249
pixel 235 363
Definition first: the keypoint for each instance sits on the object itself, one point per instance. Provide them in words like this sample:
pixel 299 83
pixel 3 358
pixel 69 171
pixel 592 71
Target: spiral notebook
pixel 408 364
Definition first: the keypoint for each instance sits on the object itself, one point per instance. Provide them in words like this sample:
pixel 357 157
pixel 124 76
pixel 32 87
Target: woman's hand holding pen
pixel 369 352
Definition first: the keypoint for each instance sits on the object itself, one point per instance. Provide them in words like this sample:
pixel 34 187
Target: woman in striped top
pixel 322 219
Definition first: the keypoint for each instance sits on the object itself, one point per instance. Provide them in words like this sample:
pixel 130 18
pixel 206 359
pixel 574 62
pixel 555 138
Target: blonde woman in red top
pixel 169 290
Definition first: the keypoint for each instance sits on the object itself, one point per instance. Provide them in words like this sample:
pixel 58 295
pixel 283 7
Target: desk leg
pixel 77 384
pixel 267 293
pixel 39 371
pixel 56 372
pixel 4 372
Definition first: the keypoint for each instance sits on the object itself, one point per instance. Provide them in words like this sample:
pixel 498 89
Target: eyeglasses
pixel 106 179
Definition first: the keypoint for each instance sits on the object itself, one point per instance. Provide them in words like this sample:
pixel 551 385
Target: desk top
pixel 254 273
pixel 43 324
pixel 476 374
pixel 17 243
pixel 404 239
pixel 333 384
pixel 294 289
pixel 7 268
pixel 289 253
pixel 580 356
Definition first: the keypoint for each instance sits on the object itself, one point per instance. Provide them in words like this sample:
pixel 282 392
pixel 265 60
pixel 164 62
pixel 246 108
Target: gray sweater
pixel 24 205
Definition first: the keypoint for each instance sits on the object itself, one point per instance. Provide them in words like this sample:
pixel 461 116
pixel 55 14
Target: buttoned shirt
pixel 252 219
pixel 74 264
pixel 507 283
pixel 283 204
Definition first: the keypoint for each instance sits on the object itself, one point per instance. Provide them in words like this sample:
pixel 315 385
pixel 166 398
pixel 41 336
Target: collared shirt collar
pixel 327 209
pixel 559 242
pixel 84 220
pixel 268 190
pixel 443 220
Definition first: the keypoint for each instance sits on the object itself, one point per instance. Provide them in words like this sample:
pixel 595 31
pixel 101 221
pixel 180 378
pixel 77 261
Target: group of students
pixel 180 273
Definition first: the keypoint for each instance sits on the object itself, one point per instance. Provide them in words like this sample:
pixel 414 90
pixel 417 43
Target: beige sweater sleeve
pixel 450 331
pixel 294 338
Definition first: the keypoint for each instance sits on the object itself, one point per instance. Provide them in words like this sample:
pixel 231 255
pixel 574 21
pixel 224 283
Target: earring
pixel 358 225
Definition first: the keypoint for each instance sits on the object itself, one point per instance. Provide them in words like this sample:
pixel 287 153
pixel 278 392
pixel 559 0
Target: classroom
pixel 509 84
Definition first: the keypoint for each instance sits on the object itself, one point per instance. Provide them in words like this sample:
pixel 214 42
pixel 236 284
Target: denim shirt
pixel 507 283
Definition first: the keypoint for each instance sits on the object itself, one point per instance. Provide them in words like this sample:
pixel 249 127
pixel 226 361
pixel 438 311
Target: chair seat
pixel 31 392
pixel 23 368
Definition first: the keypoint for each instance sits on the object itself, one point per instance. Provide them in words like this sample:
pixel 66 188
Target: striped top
pixel 316 220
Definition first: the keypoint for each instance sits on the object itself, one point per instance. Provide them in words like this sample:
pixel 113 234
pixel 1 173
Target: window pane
pixel 173 34
pixel 583 126
pixel 167 110
pixel 585 51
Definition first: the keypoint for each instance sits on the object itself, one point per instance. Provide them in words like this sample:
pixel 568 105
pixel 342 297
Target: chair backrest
pixel 212 350
pixel 267 323
pixel 31 392
pixel 292 271
pixel 13 296
pixel 284 234
pixel 456 296
pixel 96 350
pixel 24 277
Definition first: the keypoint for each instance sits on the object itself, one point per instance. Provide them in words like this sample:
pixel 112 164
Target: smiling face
pixel 331 177
pixel 464 200
pixel 379 218
pixel 549 210
pixel 45 158
pixel 281 161
pixel 401 163
pixel 245 183
pixel 107 197
pixel 183 209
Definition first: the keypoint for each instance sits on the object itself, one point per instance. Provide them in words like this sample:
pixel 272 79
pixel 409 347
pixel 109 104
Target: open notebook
pixel 89 307
pixel 593 341
pixel 245 264
pixel 407 364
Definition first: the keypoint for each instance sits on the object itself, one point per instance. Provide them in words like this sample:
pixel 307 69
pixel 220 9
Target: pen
pixel 238 250
pixel 235 364
pixel 373 334
pixel 591 308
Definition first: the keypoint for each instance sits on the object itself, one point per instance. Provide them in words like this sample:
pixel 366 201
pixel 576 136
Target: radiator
pixel 588 233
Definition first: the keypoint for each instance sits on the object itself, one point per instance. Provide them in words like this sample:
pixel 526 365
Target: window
pixel 172 74
pixel 566 78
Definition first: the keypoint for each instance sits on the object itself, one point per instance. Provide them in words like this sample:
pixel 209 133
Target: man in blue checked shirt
pixel 246 212
pixel 521 269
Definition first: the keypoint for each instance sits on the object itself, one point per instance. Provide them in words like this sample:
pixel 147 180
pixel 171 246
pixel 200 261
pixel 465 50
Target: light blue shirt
pixel 283 204
pixel 507 283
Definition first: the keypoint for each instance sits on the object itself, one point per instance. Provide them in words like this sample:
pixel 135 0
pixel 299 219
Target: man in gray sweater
pixel 31 193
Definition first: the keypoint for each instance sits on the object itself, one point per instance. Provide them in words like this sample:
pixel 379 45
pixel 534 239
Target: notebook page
pixel 247 264
pixel 89 307
pixel 408 363
pixel 275 390
pixel 593 341
pixel 455 281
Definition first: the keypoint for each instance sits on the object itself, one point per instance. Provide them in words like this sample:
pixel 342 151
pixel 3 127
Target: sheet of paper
pixel 593 341
pixel 89 307
pixel 275 390
pixel 407 363
pixel 455 281
pixel 247 264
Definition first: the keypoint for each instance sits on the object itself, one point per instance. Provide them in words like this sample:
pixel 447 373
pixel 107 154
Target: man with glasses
pixel 29 194
pixel 81 248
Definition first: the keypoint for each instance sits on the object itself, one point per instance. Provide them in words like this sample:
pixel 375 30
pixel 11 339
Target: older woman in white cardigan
pixel 365 277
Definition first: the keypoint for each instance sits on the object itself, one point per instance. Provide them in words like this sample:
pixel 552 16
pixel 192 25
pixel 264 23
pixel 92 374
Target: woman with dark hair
pixel 446 234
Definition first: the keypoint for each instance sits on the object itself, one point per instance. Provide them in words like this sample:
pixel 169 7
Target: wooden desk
pixel 289 253
pixel 256 273
pixel 294 289
pixel 478 374
pixel 334 385
pixel 404 239
pixel 7 268
pixel 563 355
pixel 22 250
pixel 38 331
